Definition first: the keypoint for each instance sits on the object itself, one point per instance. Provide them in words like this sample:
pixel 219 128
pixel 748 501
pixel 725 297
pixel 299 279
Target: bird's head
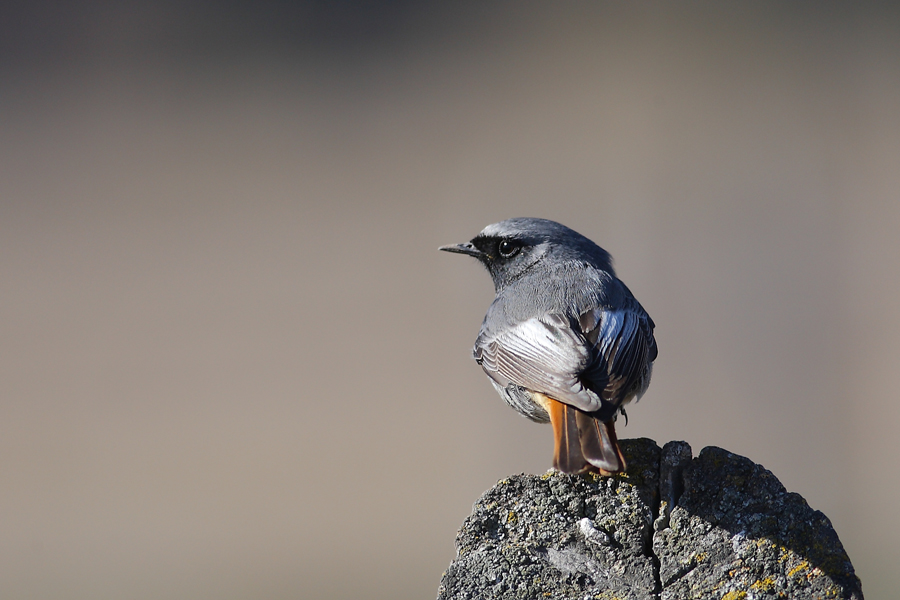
pixel 510 249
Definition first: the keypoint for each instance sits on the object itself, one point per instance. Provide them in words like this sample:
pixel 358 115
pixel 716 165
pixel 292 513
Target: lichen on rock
pixel 714 526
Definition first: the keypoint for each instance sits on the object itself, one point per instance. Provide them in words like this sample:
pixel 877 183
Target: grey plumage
pixel 562 326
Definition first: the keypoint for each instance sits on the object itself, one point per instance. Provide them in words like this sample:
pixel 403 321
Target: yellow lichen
pixel 801 567
pixel 734 596
pixel 764 585
pixel 606 596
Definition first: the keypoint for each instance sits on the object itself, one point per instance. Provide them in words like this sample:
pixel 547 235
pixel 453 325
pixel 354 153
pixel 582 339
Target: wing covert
pixel 546 354
pixel 625 350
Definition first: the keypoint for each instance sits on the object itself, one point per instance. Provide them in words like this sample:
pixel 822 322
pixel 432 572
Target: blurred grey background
pixel 233 363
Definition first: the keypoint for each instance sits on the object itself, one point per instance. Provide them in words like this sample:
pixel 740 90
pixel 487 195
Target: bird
pixel 564 340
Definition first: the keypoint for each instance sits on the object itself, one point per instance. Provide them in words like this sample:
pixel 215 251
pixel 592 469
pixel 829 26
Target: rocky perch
pixel 717 526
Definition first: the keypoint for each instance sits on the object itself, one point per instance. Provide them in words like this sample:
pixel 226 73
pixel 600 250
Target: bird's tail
pixel 567 453
pixel 599 443
pixel 582 442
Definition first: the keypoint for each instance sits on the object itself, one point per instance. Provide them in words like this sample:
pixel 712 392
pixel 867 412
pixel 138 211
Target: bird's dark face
pixel 511 248
pixel 505 257
pixel 507 252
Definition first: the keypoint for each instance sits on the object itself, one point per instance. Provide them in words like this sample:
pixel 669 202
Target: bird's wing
pixel 625 348
pixel 545 354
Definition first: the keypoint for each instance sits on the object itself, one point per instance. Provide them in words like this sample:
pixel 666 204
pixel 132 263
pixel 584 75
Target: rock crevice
pixel 716 526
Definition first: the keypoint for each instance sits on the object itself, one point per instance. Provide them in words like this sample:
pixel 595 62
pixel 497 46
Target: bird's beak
pixel 466 248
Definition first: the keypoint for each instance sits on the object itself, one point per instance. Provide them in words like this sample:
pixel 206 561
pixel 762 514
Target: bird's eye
pixel 507 248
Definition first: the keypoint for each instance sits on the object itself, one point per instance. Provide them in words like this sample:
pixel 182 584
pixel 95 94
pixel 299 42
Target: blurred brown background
pixel 233 363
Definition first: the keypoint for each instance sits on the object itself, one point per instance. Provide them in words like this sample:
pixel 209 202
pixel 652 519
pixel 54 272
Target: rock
pixel 717 526
pixel 735 532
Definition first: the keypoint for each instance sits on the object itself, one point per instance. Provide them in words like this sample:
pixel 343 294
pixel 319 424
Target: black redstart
pixel 564 340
